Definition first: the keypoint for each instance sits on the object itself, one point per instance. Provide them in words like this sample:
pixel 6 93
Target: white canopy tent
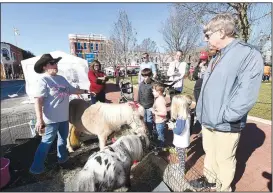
pixel 73 68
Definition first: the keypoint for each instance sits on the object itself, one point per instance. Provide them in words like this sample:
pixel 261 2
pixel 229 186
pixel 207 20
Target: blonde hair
pixel 223 21
pixel 180 106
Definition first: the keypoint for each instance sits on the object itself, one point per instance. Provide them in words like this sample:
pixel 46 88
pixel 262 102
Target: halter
pixel 134 104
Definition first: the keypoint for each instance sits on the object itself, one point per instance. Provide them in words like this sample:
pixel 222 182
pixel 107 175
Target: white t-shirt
pixel 143 65
pixel 181 68
pixel 55 91
pixel 183 140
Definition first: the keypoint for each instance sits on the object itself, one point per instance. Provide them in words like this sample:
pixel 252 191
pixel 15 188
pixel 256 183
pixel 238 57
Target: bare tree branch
pixel 243 13
pixel 253 20
pixel 178 31
pixel 147 45
pixel 123 38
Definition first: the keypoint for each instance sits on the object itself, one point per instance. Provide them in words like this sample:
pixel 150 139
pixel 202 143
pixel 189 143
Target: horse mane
pixel 114 114
pixel 133 144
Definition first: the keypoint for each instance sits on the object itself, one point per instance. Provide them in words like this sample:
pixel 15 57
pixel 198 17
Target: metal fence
pixel 190 181
pixel 16 126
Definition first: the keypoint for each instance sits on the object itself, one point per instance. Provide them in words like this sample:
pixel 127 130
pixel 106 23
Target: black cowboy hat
pixel 46 58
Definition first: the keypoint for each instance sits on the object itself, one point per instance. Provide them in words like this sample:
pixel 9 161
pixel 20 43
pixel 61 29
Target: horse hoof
pixel 70 150
pixel 82 145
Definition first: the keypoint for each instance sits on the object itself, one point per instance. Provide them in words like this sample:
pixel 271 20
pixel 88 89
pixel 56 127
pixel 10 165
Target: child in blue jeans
pixel 160 112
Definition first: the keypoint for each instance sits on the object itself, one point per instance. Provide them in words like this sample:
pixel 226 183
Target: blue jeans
pixel 99 97
pixel 160 128
pixel 148 119
pixel 51 131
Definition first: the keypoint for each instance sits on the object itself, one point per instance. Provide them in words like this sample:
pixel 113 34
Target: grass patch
pixel 135 80
pixel 261 109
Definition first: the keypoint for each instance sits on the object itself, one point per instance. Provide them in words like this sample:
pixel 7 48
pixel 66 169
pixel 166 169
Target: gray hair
pixel 223 21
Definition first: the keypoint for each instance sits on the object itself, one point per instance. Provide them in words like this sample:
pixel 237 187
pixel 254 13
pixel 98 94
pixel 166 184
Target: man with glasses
pixel 176 72
pixel 146 64
pixel 230 89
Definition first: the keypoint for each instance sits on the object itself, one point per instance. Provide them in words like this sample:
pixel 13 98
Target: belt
pixel 212 130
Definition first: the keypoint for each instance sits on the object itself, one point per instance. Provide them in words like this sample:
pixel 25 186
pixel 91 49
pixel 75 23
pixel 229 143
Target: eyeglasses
pixel 207 36
pixel 53 63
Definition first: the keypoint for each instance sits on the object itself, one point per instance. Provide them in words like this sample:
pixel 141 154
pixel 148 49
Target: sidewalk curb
pixel 264 121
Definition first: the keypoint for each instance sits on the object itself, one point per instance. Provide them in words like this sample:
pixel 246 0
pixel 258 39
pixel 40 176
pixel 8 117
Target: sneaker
pixel 202 183
pixel 36 173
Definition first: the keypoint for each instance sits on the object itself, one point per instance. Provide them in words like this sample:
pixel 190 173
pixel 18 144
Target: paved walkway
pixel 253 171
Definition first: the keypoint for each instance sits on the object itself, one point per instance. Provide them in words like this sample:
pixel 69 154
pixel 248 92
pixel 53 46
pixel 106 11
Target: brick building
pixel 88 47
pixel 11 57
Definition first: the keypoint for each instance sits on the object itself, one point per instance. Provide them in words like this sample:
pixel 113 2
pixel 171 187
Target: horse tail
pixel 73 137
pixel 84 182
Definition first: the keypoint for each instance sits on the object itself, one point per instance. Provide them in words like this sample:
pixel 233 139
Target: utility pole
pixel 16 33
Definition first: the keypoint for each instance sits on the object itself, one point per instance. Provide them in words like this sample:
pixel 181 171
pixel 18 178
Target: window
pixel 97 46
pixel 5 52
pixel 79 46
pixel 79 55
pixel 14 56
pixel 101 46
pixel 92 46
pixel 155 59
pixel 84 45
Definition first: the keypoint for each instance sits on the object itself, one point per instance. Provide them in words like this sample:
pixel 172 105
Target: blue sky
pixel 44 27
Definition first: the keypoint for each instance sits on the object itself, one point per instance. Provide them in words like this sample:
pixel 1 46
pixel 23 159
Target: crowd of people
pixel 223 99
pixel 222 93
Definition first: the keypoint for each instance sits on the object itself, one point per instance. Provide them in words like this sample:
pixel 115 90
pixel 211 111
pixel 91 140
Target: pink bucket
pixel 5 175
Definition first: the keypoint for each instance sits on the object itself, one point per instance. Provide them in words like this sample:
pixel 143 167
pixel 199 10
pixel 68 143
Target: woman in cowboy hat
pixel 52 109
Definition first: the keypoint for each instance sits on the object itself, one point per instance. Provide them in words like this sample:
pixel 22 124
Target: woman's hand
pixel 40 126
pixel 93 94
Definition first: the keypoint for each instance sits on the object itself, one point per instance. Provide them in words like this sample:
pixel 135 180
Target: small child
pixel 146 97
pixel 160 112
pixel 180 124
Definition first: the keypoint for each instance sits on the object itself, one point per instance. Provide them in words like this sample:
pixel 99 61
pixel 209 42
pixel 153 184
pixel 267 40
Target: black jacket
pixel 145 95
pixel 195 72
